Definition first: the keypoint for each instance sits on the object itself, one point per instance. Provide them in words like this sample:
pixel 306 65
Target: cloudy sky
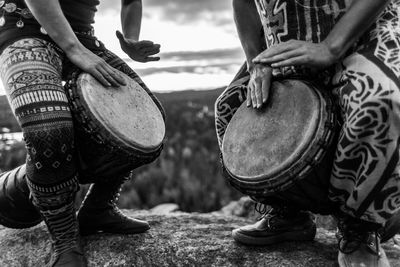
pixel 199 44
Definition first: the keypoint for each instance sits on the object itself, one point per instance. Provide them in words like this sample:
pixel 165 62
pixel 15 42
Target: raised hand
pixel 96 66
pixel 141 51
pixel 259 85
pixel 294 53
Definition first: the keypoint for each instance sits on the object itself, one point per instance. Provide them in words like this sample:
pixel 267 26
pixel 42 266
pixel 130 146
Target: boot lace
pixel 262 209
pixel 352 235
pixel 113 202
pixel 64 238
pixel 269 213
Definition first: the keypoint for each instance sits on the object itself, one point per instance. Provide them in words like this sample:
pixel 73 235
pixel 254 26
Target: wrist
pixel 250 66
pixel 335 48
pixel 132 38
pixel 131 35
pixel 72 48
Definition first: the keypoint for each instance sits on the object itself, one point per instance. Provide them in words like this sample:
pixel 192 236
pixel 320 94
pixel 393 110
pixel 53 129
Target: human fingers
pixel 258 95
pixel 144 43
pixel 248 100
pixel 277 49
pixel 120 36
pixel 151 50
pixel 106 75
pixel 266 84
pixel 258 92
pixel 253 96
pixel 152 53
pixel 148 59
pixel 295 61
pixel 149 53
pixel 99 77
pixel 279 57
pixel 110 74
pixel 117 76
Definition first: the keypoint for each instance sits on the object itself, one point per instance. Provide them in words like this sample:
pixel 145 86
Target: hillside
pixel 205 97
pixel 201 96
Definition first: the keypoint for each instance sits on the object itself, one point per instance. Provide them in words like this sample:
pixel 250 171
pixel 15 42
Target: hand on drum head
pixel 259 84
pixel 96 66
pixel 295 53
pixel 141 51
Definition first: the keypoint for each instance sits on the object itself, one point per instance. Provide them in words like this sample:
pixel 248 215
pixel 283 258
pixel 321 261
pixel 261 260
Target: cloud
pixel 182 11
pixel 209 69
pixel 191 69
pixel 175 6
pixel 188 11
pixel 200 62
pixel 208 54
pixel 167 82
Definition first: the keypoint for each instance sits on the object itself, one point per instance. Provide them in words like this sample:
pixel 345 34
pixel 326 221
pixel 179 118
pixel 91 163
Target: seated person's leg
pixel 31 71
pixel 283 221
pixel 364 180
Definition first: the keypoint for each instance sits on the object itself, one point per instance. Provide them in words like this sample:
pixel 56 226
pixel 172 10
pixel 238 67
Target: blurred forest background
pixel 188 171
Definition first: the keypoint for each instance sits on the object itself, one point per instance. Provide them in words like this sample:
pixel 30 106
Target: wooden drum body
pixel 279 153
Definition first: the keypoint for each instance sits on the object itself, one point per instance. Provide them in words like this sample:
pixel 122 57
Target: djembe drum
pixel 283 153
pixel 117 129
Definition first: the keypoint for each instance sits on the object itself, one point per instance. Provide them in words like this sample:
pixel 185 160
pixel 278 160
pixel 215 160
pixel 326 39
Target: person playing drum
pixel 41 41
pixel 352 47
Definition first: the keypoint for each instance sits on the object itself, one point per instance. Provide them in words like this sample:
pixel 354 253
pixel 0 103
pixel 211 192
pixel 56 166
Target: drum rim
pixel 322 136
pixel 105 132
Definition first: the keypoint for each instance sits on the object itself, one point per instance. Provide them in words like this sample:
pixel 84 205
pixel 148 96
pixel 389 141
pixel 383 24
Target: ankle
pixel 289 212
pixel 347 222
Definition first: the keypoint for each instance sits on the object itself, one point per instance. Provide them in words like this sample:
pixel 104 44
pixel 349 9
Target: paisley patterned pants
pixel 32 72
pixel 365 181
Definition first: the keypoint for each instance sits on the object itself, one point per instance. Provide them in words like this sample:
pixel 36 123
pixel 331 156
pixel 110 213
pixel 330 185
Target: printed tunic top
pixel 307 20
pixel 312 20
pixel 16 21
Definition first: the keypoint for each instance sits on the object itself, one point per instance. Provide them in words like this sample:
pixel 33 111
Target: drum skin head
pixel 262 143
pixel 127 112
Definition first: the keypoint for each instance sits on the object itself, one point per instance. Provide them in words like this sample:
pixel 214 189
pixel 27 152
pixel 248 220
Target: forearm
pixel 131 18
pixel 51 17
pixel 359 17
pixel 249 27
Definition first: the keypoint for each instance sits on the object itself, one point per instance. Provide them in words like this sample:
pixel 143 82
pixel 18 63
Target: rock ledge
pixel 177 239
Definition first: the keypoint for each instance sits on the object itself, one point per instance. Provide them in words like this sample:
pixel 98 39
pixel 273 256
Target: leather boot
pixel 391 228
pixel 277 225
pixel 99 212
pixel 359 244
pixel 16 208
pixel 56 205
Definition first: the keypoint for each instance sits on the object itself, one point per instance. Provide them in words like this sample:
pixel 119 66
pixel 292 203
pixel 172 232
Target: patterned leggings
pixel 365 180
pixel 32 73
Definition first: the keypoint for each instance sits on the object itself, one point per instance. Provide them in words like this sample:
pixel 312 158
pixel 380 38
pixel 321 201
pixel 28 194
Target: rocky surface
pixel 165 208
pixel 178 239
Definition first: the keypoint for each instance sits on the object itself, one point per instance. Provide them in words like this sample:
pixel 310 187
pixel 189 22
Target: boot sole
pixel 303 235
